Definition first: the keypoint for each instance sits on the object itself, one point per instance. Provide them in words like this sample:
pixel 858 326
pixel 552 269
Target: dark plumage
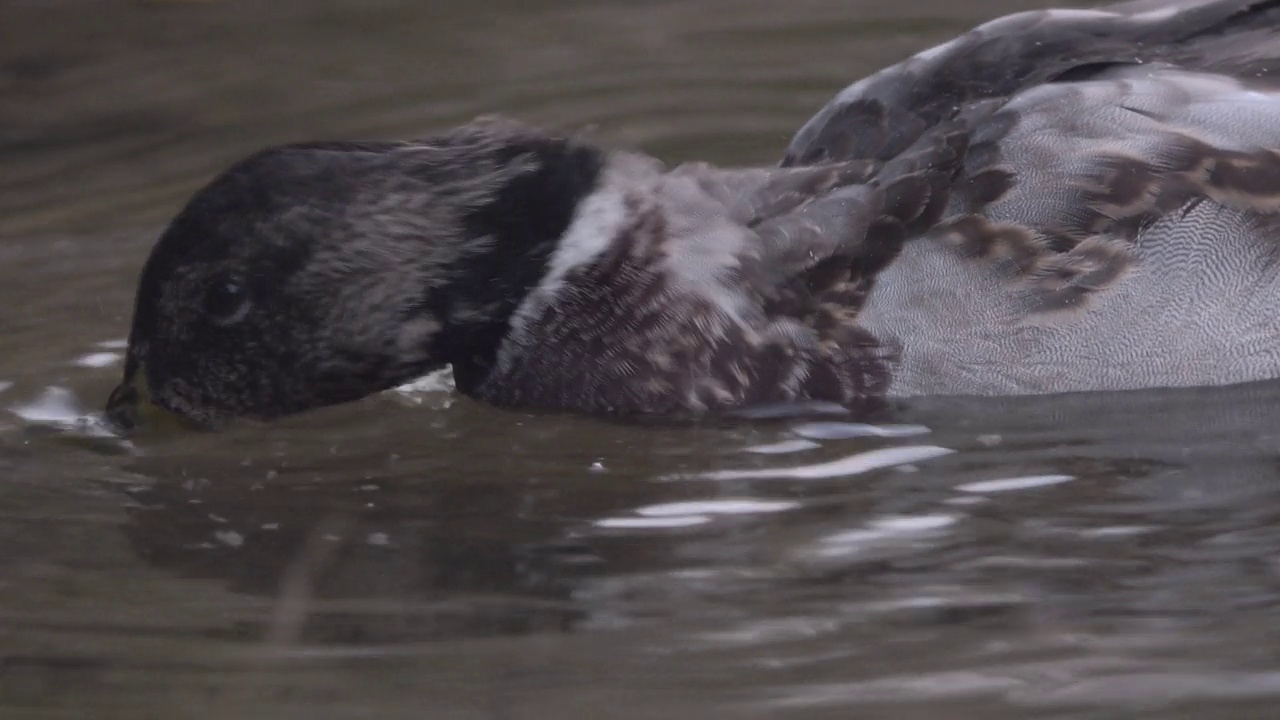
pixel 547 272
pixel 1058 200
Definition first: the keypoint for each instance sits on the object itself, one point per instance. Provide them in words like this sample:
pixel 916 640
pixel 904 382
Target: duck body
pixel 1173 283
pixel 1061 200
pixel 1110 231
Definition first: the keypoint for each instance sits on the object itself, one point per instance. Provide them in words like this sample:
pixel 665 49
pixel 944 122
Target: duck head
pixel 314 274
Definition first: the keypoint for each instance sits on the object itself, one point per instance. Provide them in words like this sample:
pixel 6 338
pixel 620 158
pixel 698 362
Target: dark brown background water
pixel 417 555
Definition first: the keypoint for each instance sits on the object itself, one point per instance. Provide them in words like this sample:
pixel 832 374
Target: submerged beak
pixel 129 407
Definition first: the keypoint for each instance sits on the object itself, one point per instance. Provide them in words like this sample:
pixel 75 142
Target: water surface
pixel 419 555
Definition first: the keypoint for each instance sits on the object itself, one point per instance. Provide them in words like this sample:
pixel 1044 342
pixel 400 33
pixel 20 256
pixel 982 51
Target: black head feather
pixel 317 273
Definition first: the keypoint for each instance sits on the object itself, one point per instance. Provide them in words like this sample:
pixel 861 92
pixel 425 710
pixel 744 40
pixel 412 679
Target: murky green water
pixel 417 555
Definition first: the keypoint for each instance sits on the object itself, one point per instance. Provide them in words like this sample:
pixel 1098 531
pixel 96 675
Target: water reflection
pixel 1061 553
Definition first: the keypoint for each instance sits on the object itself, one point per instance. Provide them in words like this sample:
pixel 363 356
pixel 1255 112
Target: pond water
pixel 417 555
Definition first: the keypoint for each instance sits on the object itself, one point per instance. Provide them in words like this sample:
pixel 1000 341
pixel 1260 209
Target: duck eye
pixel 226 301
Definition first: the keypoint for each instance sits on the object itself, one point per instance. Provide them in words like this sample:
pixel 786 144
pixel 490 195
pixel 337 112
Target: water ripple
pixel 844 467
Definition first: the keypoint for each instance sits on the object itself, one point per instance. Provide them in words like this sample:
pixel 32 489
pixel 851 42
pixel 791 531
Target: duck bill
pixel 129 407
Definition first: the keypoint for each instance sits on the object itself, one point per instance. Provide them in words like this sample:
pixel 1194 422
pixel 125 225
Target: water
pixel 419 555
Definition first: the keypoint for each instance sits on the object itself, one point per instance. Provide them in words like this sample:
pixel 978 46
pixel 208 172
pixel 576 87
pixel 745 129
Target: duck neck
pixel 521 225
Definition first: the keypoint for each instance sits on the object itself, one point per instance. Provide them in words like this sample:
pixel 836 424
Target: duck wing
pixel 1106 122
pixel 1116 221
pixel 883 114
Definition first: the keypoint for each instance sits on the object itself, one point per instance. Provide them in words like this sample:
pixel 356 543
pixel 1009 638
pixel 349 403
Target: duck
pixel 1057 201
